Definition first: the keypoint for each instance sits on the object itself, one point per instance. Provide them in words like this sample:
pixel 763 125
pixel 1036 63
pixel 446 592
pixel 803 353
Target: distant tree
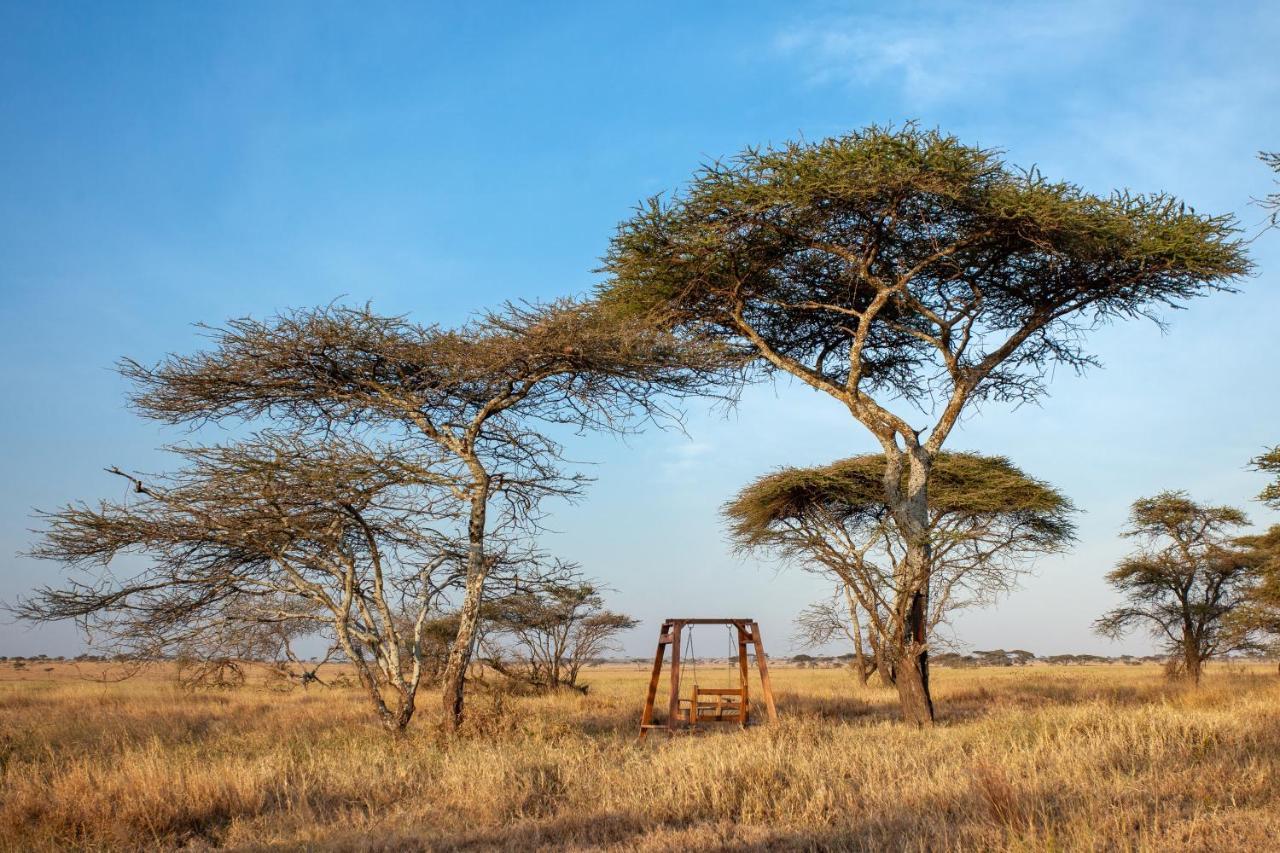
pixel 1184 581
pixel 1269 463
pixel 987 520
pixel 1260 611
pixel 954 659
pixel 993 657
pixel 900 265
pixel 474 402
pixel 546 636
pixel 1021 657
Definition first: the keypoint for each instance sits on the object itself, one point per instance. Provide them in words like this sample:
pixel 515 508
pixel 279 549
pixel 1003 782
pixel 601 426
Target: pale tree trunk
pixel 859 658
pixel 911 514
pixel 880 654
pixel 455 670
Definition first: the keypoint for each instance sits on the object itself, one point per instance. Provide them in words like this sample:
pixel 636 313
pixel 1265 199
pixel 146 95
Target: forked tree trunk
pixel 455 670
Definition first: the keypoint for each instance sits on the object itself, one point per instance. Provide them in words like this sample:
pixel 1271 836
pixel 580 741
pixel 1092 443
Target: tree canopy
pixel 904 262
pixel 850 491
pixel 1185 580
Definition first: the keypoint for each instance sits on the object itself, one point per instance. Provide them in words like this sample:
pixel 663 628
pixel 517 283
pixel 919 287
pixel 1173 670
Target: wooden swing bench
pixel 728 704
pixel 707 704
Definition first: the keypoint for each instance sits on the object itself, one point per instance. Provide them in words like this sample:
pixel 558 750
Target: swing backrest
pixel 701 711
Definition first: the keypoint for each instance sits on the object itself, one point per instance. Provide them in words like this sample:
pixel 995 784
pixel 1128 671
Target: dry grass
pixel 1107 758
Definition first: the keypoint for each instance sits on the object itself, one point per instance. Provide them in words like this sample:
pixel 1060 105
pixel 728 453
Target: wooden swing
pixel 707 704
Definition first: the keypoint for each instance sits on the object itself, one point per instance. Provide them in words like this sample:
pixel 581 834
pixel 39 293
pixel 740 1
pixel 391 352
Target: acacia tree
pixel 1261 609
pixel 1259 612
pixel 1269 463
pixel 900 265
pixel 249 545
pixel 475 401
pixel 1185 580
pixel 545 636
pixel 986 520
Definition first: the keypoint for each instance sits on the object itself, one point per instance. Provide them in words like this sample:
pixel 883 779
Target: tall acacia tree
pixel 906 275
pixel 987 520
pixel 477 400
pixel 1185 582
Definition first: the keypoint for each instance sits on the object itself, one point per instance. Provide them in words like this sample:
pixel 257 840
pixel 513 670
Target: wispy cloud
pixel 682 459
pixel 955 48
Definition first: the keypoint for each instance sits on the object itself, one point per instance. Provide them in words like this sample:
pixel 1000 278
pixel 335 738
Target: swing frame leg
pixel 674 723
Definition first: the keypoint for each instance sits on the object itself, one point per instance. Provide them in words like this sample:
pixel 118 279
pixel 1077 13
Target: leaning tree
pixel 249 545
pixel 908 275
pixel 478 402
pixel 986 521
pixel 1185 582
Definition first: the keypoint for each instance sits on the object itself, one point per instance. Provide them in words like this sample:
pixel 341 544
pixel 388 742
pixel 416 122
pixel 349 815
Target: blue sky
pixel 171 163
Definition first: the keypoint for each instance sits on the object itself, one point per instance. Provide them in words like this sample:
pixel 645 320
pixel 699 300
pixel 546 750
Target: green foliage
pixel 1269 463
pixel 851 490
pixel 896 257
pixel 1174 515
pixel 1262 606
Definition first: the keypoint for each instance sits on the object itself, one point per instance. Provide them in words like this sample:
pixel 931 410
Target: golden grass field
pixel 1036 758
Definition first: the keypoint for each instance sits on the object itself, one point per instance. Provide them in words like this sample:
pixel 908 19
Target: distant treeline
pixel 993 657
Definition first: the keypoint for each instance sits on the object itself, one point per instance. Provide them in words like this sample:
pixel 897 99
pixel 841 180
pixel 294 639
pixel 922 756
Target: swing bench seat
pixel 714 705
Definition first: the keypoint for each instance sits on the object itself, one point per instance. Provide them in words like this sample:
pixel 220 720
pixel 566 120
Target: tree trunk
pixel 883 663
pixel 913 669
pixel 911 514
pixel 1191 659
pixel 455 670
pixel 859 658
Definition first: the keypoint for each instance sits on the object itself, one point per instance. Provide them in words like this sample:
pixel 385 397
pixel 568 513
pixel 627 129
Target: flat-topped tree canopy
pixel 565 361
pixel 850 493
pixel 903 261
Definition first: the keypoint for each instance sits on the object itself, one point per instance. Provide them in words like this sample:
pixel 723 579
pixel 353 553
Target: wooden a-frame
pixel 688 713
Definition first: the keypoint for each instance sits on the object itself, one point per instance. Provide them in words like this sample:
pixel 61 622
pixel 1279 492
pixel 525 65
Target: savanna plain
pixel 1106 757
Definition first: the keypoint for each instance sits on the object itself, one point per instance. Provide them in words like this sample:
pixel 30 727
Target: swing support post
pixel 707 704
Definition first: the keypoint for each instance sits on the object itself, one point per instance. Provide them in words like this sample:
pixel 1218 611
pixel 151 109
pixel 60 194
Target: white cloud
pixel 961 48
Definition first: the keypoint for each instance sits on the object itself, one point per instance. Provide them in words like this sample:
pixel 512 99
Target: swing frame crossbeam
pixel 709 704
